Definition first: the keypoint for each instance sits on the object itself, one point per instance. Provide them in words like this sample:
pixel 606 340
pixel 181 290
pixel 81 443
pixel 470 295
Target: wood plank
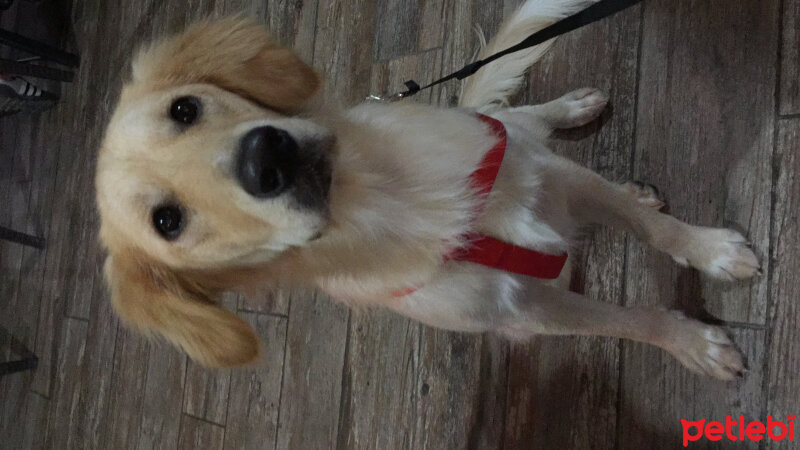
pixel 380 392
pixel 66 395
pixel 196 433
pixel 341 52
pixel 123 422
pixel 206 393
pixel 562 390
pixel 163 398
pixel 69 219
pixel 312 372
pixel 692 132
pixel 657 392
pixel 783 382
pixel 790 59
pixel 407 27
pixel 98 373
pixel 462 391
pixel 18 318
pixel 255 391
pixel 24 185
pixel 267 302
pixel 79 244
pixel 294 25
pixel 34 424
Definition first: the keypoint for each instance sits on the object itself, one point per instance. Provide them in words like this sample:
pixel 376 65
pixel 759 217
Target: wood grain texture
pixel 256 392
pixel 783 382
pixel 691 132
pixel 19 311
pixel 163 398
pixel 63 417
pixel 790 59
pixel 96 393
pixel 268 302
pixel 342 48
pixel 312 373
pixel 35 424
pixel 406 28
pixel 462 391
pixel 206 394
pixel 123 421
pixel 196 434
pixel 380 390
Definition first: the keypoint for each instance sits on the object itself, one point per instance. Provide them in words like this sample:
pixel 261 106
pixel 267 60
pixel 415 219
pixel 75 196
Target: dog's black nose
pixel 267 161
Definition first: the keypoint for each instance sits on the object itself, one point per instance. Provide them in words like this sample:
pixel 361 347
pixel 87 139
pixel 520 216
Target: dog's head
pixel 207 165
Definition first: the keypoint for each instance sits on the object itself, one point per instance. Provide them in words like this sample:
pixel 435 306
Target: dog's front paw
pixel 723 254
pixel 704 349
pixel 582 106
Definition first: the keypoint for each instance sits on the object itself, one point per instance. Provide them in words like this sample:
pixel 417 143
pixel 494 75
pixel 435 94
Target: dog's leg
pixel 590 199
pixel 574 109
pixel 536 308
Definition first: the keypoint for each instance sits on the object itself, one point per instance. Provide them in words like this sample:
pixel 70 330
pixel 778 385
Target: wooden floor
pixel 705 104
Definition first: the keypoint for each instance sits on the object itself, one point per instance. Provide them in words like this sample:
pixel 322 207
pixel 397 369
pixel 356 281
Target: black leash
pixel 598 11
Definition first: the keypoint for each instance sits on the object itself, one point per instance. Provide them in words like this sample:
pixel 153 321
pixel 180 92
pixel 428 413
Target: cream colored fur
pixel 400 200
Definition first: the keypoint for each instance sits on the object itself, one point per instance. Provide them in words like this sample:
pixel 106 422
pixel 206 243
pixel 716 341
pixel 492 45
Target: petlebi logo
pixel 738 429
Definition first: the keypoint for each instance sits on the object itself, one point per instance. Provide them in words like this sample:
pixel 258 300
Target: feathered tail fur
pixel 490 88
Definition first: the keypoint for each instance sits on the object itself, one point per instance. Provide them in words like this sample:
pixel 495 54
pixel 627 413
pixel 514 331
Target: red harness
pixel 488 251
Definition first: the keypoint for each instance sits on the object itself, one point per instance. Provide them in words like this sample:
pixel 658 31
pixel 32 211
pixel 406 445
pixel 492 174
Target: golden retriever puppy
pixel 218 172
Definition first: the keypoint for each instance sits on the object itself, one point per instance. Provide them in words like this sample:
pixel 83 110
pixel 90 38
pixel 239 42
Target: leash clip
pixel 412 86
pixel 384 98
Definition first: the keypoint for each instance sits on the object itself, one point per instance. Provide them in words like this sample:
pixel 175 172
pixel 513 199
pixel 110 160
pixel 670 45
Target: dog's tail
pixel 490 88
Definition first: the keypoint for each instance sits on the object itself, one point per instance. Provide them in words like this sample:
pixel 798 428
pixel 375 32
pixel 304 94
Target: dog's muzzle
pixel 271 162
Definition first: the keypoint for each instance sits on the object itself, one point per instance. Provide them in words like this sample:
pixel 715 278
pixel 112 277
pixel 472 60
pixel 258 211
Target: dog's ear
pixel 156 300
pixel 235 54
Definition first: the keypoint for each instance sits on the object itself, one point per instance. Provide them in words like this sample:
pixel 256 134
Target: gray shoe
pixel 18 94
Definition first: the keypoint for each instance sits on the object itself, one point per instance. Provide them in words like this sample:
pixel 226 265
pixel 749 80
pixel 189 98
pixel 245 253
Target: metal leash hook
pixel 412 86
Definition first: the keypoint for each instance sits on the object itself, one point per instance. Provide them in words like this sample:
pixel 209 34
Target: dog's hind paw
pixel 704 349
pixel 582 106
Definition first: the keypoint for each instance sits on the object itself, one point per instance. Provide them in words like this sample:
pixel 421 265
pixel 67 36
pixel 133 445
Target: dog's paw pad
pixel 707 350
pixel 583 106
pixel 644 193
pixel 728 255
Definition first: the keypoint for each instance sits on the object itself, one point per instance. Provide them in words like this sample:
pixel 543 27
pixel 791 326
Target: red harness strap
pixel 488 251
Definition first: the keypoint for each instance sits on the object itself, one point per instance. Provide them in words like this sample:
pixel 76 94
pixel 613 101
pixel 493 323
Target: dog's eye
pixel 168 221
pixel 185 110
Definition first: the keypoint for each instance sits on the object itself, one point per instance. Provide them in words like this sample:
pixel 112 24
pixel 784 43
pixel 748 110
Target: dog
pixel 221 170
